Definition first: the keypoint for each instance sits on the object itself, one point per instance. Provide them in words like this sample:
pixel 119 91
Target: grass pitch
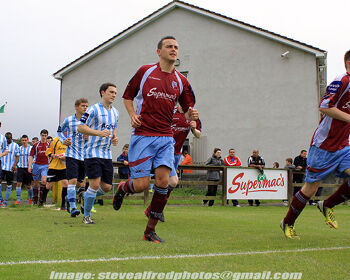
pixel 30 234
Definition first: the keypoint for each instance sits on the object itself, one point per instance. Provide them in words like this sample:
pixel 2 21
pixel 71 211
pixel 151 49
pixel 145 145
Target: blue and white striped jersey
pixel 69 129
pixel 99 117
pixel 8 160
pixel 24 154
pixel 3 144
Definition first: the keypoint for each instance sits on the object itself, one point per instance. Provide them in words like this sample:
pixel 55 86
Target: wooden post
pixel 224 186
pixel 290 188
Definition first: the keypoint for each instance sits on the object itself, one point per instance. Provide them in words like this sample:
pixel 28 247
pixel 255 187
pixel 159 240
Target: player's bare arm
pixel 30 162
pixel 15 164
pixel 114 138
pixel 335 113
pixel 83 128
pixel 135 119
pixel 196 133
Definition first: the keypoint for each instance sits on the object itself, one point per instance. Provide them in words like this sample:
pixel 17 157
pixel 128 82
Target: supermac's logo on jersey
pixel 333 87
pixel 174 85
pixel 84 117
pixel 159 94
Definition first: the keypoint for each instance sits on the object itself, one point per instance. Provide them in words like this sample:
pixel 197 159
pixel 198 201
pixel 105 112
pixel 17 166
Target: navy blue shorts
pixel 99 167
pixel 75 169
pixel 56 175
pixel 24 177
pixel 7 176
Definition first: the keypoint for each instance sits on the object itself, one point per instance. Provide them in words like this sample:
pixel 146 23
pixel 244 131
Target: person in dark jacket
pixel 213 175
pixel 123 172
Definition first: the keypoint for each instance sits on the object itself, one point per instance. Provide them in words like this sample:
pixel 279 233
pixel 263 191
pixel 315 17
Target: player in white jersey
pixel 8 165
pixel 74 140
pixel 100 123
pixel 3 152
pixel 23 176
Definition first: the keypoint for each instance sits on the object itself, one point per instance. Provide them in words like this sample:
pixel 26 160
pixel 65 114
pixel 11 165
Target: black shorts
pixel 75 169
pixel 55 175
pixel 7 176
pixel 24 177
pixel 99 167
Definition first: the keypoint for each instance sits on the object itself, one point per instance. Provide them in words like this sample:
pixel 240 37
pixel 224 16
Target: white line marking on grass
pixel 177 256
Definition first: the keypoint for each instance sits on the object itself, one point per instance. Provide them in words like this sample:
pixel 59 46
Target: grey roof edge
pixel 168 7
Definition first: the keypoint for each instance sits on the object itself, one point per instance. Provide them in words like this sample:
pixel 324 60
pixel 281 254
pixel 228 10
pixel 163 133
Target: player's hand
pixel 136 121
pixel 125 162
pixel 14 168
pixel 105 133
pixel 67 141
pixel 193 124
pixel 193 114
pixel 29 169
pixel 114 140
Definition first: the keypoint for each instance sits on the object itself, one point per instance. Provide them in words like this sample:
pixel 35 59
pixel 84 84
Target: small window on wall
pixel 185 73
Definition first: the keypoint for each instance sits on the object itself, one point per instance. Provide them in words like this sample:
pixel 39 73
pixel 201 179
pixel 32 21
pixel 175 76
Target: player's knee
pixel 162 182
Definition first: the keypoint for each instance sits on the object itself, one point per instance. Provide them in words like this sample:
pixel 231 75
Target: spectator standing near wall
pixel 256 161
pixel 233 160
pixel 213 175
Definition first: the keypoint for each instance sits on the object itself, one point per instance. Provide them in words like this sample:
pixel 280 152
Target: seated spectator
pixel 232 160
pixel 213 175
pixel 256 161
pixel 187 161
pixel 275 165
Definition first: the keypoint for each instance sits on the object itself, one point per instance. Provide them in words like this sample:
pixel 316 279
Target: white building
pixel 254 88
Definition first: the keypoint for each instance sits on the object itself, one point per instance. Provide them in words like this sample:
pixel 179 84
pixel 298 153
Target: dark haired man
pixel 99 122
pixel 156 89
pixel 329 153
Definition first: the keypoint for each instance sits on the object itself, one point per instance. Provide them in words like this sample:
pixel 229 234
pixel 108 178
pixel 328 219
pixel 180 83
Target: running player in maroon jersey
pixel 329 153
pixel 156 89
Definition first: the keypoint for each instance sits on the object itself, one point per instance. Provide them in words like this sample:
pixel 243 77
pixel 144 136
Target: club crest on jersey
pixel 84 117
pixel 174 85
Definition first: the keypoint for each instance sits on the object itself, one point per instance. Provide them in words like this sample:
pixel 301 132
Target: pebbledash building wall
pixel 254 88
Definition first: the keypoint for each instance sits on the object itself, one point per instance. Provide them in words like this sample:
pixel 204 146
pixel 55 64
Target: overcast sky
pixel 38 37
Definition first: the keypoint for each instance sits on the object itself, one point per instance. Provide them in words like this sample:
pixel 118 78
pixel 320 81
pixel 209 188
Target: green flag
pixel 2 108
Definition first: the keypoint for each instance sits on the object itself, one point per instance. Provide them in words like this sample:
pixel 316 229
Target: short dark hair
pixel 80 100
pixel 126 146
pixel 24 136
pixel 232 149
pixel 160 43
pixel 290 160
pixel 346 57
pixel 44 131
pixel 35 138
pixel 8 134
pixel 104 87
pixel 215 150
pixel 303 151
